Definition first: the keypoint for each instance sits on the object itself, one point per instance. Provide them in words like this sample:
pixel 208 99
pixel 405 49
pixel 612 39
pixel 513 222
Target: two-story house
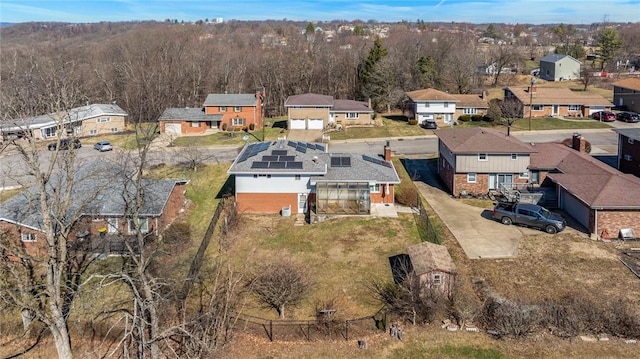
pixel 219 112
pixel 558 67
pixel 89 120
pixel 432 105
pixel 629 150
pixel 477 160
pixel 626 94
pixel 312 111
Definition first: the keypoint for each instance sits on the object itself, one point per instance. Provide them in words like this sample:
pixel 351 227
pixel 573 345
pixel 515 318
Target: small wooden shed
pixel 434 266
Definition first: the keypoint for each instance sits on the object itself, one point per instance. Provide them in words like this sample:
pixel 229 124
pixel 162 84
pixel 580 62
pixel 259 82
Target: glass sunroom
pixel 343 198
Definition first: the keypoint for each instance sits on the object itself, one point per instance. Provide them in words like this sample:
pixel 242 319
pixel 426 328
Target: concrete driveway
pixel 478 234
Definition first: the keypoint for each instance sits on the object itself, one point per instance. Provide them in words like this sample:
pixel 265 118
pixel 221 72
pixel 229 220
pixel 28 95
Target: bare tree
pixel 281 284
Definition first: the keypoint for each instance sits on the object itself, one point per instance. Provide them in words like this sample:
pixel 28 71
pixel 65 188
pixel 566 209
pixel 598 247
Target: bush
pixel 476 118
pixel 224 127
pixel 413 122
pixel 407 195
pixel 252 126
pixel 486 118
pixel 464 118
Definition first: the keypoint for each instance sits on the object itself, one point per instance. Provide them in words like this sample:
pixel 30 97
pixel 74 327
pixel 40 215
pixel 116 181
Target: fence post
pixel 308 330
pixel 271 330
pixel 347 330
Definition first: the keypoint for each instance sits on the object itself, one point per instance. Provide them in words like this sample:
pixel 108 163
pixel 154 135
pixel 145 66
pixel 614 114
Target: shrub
pixel 487 118
pixel 252 126
pixel 464 118
pixel 407 195
pixel 224 127
pixel 476 118
pixel 413 122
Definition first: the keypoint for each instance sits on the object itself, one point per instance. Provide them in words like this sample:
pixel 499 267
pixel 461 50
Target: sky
pixel 473 11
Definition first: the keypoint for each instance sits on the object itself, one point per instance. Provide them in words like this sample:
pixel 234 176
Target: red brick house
pixel 477 160
pixel 537 101
pixel 100 208
pixel 219 112
pixel 626 93
pixel 596 195
pixel 304 177
pixel 629 150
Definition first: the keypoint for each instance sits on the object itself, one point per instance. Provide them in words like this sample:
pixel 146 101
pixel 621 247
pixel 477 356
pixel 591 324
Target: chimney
pixel 532 89
pixel 369 102
pixel 579 143
pixel 483 95
pixel 387 152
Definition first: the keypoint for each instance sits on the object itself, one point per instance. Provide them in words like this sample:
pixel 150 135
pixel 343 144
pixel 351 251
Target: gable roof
pixel 474 101
pixel 474 140
pixel 426 95
pixel 313 159
pixel 75 114
pixel 350 106
pixel 100 188
pixel 557 96
pixel 231 100
pixel 309 100
pixel 427 257
pixel 632 133
pixel 592 181
pixel 187 114
pixel 632 83
pixel 553 58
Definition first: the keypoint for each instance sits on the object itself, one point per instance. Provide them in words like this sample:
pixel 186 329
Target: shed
pixel 434 266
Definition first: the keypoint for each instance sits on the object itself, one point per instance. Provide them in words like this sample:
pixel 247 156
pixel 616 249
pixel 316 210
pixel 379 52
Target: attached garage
pixel 594 109
pixel 316 124
pixel 173 128
pixel 297 124
pixel 574 207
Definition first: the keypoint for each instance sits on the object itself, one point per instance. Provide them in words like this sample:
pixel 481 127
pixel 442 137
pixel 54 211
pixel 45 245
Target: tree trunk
pixel 281 311
pixel 61 337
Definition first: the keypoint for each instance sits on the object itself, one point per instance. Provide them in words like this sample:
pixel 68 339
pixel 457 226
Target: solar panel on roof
pixel 292 144
pixel 311 146
pixel 294 165
pixel 320 147
pixel 286 158
pixel 376 161
pixel 302 149
pixel 260 164
pixel 279 152
pixel 340 161
pixel 277 164
pixel 270 158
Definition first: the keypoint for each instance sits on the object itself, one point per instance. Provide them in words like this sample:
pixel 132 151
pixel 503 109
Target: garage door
pixel 173 128
pixel 594 109
pixel 297 124
pixel 576 209
pixel 316 124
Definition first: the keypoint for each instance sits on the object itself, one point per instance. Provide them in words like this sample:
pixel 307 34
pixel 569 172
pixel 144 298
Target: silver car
pixel 103 146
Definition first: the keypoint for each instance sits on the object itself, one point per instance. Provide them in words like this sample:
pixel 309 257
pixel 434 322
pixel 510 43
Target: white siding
pixel 275 184
pixel 576 209
pixel 494 163
pixel 436 107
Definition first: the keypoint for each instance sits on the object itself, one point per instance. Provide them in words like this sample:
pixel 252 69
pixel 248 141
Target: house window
pixel 483 157
pixel 28 237
pixel 514 156
pixel 223 108
pixel 436 279
pixel 237 121
pixel 426 104
pixel 470 111
pixel 237 109
pixel 446 104
pixel 374 188
pixel 297 177
pixel 114 129
pixel 264 175
pixel 472 177
pixel 537 107
pixel 523 175
pixel 352 115
pixel 630 140
pixel 195 124
pixel 93 132
pixel 143 224
pixel 104 119
pixel 628 157
pixel 574 107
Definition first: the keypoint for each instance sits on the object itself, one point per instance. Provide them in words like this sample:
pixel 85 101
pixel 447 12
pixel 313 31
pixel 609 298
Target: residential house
pixel 101 207
pixel 626 94
pixel 434 267
pixel 629 150
pixel 596 195
pixel 432 104
pixel 477 160
pixel 219 112
pixel 557 67
pixel 300 177
pixel 534 101
pixel 89 120
pixel 316 112
pixel 470 104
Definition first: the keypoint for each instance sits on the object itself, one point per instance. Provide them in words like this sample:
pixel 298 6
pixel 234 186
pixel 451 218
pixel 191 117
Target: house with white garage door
pixel 432 105
pixel 312 111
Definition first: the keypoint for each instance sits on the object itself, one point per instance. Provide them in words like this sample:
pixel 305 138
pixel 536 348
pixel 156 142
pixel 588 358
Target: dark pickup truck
pixel 530 215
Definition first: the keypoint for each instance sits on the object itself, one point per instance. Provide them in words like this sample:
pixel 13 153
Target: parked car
pixel 65 144
pixel 429 124
pixel 103 146
pixel 606 116
pixel 530 215
pixel 628 117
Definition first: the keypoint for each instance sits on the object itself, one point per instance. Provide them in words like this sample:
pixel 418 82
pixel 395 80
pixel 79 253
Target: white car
pixel 103 146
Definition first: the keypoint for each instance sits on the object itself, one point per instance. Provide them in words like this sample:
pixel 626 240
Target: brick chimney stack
pixel 387 152
pixel 578 143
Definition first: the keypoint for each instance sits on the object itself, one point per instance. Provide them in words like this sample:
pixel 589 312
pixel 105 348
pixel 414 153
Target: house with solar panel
pixel 303 177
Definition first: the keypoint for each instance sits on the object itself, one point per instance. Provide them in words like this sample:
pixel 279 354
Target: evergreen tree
pixel 608 43
pixel 367 68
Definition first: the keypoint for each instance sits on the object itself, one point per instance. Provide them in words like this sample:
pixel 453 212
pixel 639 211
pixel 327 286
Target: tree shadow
pixel 227 189
pixel 398 118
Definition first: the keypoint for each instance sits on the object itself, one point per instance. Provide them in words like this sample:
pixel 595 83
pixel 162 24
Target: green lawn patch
pixel 391 126
pixel 273 129
pixel 538 124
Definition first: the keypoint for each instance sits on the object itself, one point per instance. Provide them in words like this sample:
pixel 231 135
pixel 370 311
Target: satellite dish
pixel 245 138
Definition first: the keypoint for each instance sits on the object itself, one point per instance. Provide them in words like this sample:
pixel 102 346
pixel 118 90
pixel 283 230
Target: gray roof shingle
pixel 231 100
pixel 481 140
pixel 187 114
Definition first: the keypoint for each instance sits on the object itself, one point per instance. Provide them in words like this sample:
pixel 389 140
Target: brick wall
pixel 613 221
pixel 383 197
pixel 446 173
pixel 632 149
pixel 266 202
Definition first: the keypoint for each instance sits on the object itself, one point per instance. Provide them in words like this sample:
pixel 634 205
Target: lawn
pixel 538 124
pixel 386 127
pixel 274 128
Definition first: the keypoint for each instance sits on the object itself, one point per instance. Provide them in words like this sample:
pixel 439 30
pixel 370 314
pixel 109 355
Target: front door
pixel 556 110
pixel 505 180
pixel 302 203
pixel 112 224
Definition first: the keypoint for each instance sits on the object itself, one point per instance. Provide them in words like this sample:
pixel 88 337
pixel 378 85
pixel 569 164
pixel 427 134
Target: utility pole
pixel 531 87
